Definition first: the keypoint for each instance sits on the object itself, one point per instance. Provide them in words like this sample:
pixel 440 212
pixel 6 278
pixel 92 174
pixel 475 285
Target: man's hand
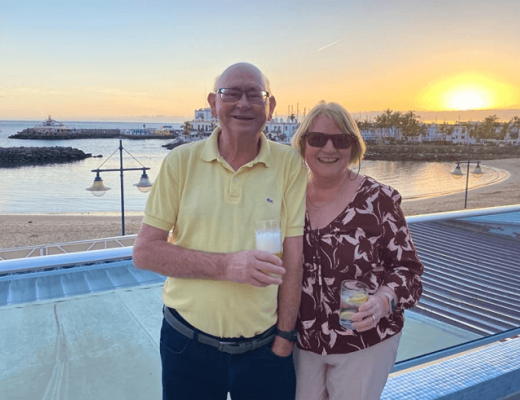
pixel 282 347
pixel 253 267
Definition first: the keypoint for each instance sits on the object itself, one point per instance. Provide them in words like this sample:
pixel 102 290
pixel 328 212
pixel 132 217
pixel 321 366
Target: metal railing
pixel 65 248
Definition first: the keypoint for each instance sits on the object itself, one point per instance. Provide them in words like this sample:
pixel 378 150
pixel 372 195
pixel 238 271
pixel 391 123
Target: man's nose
pixel 244 101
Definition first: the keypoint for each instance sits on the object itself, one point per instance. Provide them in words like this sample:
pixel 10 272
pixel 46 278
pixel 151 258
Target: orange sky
pixel 128 60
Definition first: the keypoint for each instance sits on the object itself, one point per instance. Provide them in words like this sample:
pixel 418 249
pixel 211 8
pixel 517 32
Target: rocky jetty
pixel 30 133
pixel 18 156
pixel 439 152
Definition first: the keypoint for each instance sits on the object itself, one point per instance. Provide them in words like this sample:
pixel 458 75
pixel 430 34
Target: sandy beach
pixel 32 230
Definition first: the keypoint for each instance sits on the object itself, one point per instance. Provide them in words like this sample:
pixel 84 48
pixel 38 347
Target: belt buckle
pixel 221 345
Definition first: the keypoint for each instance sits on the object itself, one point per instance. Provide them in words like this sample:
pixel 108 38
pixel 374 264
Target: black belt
pixel 230 347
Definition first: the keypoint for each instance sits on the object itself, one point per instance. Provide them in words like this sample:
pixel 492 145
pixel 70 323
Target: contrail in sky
pixel 332 44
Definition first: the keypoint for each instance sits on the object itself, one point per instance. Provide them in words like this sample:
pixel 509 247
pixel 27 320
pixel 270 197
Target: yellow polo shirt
pixel 213 208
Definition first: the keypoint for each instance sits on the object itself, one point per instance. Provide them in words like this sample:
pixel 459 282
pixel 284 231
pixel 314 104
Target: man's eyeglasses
pixel 233 95
pixel 340 141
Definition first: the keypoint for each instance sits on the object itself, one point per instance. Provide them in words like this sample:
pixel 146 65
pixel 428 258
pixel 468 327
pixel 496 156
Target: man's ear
pixel 212 100
pixel 272 105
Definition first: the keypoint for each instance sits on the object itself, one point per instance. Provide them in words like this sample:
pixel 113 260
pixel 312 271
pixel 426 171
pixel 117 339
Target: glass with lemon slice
pixel 353 294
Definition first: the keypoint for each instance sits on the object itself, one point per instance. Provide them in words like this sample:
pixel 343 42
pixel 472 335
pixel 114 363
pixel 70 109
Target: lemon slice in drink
pixel 358 298
pixel 346 315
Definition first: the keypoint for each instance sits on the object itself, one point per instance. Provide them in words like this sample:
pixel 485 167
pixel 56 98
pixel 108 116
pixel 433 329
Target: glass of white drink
pixel 269 236
pixel 353 294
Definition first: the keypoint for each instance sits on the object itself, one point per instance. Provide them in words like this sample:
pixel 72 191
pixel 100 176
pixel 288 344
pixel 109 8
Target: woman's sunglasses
pixel 340 141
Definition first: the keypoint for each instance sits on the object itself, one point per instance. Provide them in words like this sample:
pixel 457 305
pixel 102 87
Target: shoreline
pixel 19 230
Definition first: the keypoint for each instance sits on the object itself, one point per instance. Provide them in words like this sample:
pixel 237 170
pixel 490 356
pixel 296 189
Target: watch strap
pixel 391 301
pixel 291 336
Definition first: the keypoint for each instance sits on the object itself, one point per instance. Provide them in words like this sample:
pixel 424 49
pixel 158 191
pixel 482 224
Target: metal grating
pixel 471 278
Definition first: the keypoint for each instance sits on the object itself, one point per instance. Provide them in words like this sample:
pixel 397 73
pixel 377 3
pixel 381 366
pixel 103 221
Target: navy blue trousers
pixel 193 371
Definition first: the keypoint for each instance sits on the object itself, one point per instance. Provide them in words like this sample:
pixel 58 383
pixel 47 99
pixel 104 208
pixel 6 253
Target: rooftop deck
pixel 71 320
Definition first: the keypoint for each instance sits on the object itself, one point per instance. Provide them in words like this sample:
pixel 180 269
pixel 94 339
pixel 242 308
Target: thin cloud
pixel 116 92
pixel 332 44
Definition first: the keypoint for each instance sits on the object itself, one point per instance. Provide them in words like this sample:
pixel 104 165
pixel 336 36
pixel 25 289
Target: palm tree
pixel 488 127
pixel 504 130
pixel 515 128
pixel 384 120
pixel 410 124
pixel 292 117
pixel 186 128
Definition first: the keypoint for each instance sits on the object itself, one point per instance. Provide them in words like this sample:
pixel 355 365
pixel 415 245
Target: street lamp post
pixel 477 172
pixel 457 174
pixel 98 189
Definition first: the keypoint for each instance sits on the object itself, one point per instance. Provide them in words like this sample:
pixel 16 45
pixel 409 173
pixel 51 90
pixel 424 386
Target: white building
pixel 277 128
pixel 377 134
pixel 281 130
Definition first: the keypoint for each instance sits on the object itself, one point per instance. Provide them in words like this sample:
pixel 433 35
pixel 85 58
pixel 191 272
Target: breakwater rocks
pixel 18 156
pixel 31 134
pixel 439 153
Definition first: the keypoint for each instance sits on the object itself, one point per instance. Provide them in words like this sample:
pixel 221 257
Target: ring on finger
pixel 373 319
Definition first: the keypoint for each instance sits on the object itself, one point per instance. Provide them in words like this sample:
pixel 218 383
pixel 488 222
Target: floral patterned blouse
pixel 368 241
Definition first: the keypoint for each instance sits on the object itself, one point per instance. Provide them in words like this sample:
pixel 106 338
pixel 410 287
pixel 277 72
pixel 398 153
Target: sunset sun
pixel 467 91
pixel 468 99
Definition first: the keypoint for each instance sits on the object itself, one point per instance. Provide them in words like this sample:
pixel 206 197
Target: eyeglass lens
pixel 253 96
pixel 340 141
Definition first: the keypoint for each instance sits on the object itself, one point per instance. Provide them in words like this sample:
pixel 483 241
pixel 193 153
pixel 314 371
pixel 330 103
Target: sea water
pixel 60 188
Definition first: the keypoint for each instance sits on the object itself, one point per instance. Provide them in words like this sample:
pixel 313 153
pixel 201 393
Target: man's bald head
pixel 242 66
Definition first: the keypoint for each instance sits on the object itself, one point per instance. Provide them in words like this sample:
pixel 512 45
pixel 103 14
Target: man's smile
pixel 242 118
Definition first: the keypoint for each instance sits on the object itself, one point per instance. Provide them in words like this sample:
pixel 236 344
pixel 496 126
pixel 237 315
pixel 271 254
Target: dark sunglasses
pixel 340 141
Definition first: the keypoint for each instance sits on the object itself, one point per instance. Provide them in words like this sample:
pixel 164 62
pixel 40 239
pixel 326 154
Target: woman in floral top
pixel 354 229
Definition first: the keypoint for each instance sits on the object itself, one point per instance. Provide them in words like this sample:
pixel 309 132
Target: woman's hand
pixel 370 313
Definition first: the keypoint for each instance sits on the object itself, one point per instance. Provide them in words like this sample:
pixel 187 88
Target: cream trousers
pixel 360 375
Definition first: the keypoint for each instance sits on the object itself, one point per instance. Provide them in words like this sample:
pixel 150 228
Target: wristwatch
pixel 291 336
pixel 391 301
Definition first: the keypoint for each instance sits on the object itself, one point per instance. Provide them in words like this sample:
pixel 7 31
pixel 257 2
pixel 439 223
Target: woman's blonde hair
pixel 343 120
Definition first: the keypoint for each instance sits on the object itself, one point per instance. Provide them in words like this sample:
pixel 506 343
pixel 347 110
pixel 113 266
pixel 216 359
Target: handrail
pixel 62 260
pixel 83 257
pixel 68 247
pixel 459 348
pixel 461 214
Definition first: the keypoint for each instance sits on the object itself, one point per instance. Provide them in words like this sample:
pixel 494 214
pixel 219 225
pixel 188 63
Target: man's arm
pixel 153 252
pixel 289 293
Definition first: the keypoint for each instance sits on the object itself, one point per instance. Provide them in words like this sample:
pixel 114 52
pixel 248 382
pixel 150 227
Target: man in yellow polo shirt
pixel 230 310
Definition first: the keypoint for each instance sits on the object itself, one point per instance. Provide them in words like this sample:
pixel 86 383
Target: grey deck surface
pixel 105 346
pixel 97 346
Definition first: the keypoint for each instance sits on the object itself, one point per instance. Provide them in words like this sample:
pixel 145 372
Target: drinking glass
pixel 353 294
pixel 269 236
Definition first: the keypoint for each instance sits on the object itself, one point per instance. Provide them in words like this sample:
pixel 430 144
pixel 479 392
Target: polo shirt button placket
pixel 234 192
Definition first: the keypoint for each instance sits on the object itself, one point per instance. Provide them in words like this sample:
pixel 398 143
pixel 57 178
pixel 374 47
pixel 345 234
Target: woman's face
pixel 327 161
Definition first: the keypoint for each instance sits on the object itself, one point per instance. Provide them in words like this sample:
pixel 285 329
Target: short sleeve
pixel 294 196
pixel 164 199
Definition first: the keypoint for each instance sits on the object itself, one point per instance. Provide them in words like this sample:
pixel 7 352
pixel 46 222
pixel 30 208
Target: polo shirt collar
pixel 210 151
